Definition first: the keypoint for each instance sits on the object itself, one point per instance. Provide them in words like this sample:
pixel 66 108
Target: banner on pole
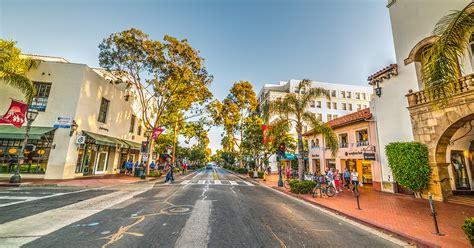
pixel 16 114
pixel 265 129
pixel 157 132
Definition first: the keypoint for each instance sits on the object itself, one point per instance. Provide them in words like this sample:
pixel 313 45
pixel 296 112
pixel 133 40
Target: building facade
pixel 404 113
pixel 109 130
pixel 357 141
pixel 345 99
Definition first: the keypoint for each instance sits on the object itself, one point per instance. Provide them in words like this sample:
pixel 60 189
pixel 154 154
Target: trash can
pixel 255 174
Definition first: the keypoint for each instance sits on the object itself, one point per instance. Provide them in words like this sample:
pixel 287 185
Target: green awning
pixel 133 145
pixel 12 132
pixel 100 139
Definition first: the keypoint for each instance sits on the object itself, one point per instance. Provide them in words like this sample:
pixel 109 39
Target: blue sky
pixel 262 41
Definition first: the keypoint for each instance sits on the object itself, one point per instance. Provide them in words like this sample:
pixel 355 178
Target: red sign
pixel 265 129
pixel 15 114
pixel 157 132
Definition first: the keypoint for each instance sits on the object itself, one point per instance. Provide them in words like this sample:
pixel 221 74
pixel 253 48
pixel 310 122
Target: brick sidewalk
pixel 400 214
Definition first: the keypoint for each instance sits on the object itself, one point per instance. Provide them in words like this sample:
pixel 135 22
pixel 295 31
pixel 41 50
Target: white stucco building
pixel 412 28
pixel 107 115
pixel 345 99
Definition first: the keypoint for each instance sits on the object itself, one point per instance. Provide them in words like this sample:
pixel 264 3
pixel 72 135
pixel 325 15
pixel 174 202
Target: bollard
pixel 433 213
pixel 357 197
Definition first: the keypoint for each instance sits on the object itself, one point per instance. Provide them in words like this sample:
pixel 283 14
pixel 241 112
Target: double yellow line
pixel 214 173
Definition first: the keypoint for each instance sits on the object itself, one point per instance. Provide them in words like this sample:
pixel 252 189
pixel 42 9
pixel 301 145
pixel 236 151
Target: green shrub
pixel 410 165
pixel 260 174
pixel 468 228
pixel 241 170
pixel 155 174
pixel 250 173
pixel 303 187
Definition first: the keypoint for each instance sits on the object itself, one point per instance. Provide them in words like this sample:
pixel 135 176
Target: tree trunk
pixel 301 154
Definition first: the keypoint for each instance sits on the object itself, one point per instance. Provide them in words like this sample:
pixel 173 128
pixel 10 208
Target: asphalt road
pixel 209 208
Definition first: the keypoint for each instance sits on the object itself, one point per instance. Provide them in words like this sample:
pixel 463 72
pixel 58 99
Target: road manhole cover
pixel 178 210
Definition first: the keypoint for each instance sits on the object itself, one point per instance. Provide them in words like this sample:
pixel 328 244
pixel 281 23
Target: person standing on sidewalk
pixel 354 179
pixel 330 177
pixel 347 178
pixel 337 181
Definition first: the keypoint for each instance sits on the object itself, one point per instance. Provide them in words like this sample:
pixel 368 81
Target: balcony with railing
pixel 463 85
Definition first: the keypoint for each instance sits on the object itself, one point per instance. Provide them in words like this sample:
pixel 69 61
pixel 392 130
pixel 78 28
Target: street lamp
pixel 31 115
pixel 74 127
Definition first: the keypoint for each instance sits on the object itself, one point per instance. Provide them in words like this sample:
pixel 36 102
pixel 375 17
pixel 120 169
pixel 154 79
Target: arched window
pixel 316 143
pixel 313 145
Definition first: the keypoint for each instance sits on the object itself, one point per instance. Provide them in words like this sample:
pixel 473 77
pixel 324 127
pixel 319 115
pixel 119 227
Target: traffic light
pixel 281 149
pixel 144 146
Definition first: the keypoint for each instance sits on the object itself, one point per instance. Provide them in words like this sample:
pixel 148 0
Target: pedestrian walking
pixel 347 178
pixel 337 181
pixel 354 179
pixel 288 172
pixel 152 165
pixel 185 167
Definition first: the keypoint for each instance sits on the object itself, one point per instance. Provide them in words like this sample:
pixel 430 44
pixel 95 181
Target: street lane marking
pixel 185 182
pixel 249 184
pixel 217 182
pixel 202 182
pixel 233 183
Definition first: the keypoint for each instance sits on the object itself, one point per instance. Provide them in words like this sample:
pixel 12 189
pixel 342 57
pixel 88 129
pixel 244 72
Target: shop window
pixel 104 108
pixel 139 128
pixel 132 124
pixel 40 101
pixel 362 137
pixel 316 143
pixel 343 141
pixel 318 104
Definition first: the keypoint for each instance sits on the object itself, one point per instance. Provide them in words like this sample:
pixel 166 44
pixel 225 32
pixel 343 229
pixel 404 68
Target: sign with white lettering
pixel 63 122
pixel 369 156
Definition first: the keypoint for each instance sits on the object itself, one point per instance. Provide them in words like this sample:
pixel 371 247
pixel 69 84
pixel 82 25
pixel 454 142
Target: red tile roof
pixel 358 116
pixel 386 73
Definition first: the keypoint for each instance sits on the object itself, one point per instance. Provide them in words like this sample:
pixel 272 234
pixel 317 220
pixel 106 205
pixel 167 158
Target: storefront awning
pixel 104 140
pixel 12 132
pixel 132 145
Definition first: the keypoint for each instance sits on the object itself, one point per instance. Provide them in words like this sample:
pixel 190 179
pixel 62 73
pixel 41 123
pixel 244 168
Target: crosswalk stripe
pixel 249 184
pixel 202 182
pixel 185 181
pixel 233 183
pixel 217 181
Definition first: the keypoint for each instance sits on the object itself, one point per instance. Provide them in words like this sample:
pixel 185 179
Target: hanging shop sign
pixel 80 140
pixel 369 156
pixel 63 122
pixel 353 153
pixel 157 132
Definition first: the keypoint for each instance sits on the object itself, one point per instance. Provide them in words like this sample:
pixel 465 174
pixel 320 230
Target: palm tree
pixel 13 69
pixel 440 60
pixel 292 109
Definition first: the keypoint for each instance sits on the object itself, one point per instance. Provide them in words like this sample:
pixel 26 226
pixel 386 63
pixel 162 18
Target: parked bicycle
pixel 323 188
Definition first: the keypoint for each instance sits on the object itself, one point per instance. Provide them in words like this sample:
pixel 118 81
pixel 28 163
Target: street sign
pixel 63 122
pixel 145 157
pixel 81 140
pixel 369 156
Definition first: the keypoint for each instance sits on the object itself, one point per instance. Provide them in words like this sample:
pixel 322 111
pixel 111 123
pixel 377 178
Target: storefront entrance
pixel 363 167
pixel 460 162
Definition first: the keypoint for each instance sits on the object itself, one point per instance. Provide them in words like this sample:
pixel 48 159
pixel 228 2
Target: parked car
pixel 208 166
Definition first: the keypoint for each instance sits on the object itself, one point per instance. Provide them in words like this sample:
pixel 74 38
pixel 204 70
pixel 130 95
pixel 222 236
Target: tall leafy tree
pixel 172 70
pixel 13 68
pixel 292 111
pixel 440 61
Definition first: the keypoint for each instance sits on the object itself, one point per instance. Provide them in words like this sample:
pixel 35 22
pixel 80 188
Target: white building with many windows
pixel 345 99
pixel 107 115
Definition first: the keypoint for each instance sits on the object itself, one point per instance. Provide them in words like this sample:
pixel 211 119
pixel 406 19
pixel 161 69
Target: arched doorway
pixel 455 150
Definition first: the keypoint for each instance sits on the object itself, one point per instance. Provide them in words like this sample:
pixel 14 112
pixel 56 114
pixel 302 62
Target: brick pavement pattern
pixel 397 213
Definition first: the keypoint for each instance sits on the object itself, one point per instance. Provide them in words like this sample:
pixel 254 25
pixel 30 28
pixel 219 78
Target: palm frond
pixel 318 127
pixel 20 82
pixel 440 68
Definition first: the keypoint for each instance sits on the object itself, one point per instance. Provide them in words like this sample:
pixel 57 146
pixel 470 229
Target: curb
pixel 414 240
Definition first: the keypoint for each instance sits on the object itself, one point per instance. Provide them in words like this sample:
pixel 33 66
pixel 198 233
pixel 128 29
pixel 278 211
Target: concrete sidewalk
pixel 92 181
pixel 399 214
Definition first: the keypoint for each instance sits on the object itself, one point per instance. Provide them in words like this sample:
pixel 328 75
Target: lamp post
pixel 31 115
pixel 74 127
